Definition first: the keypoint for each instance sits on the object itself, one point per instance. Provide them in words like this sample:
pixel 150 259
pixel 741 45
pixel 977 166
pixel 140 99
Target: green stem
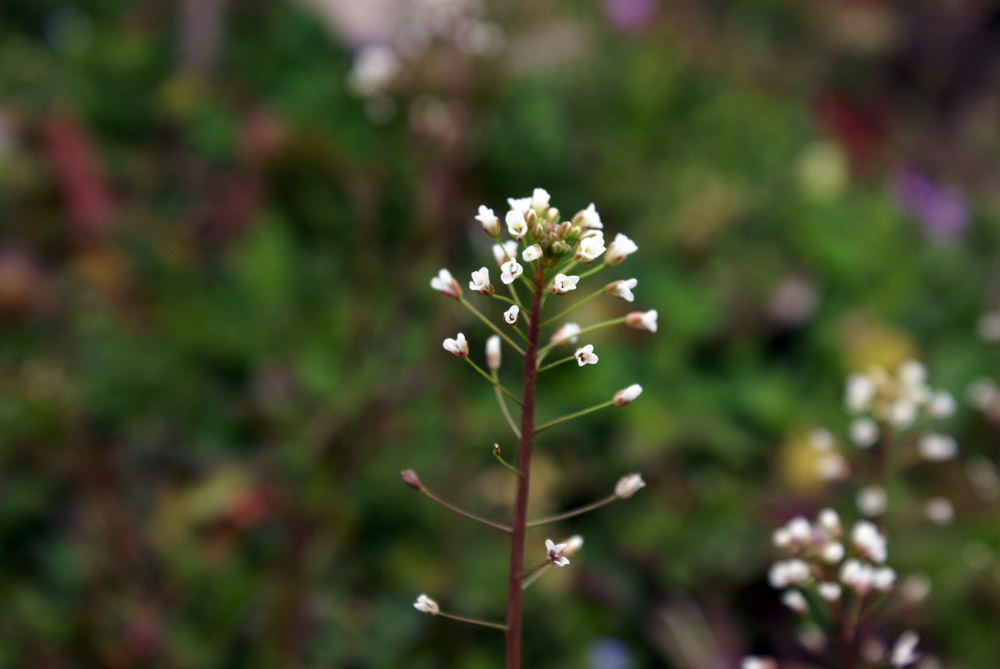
pixel 553 423
pixel 574 306
pixel 534 577
pixel 590 328
pixel 491 325
pixel 464 513
pixel 575 512
pixel 533 570
pixel 491 380
pixel 505 299
pixel 511 468
pixel 503 405
pixel 556 363
pixel 593 271
pixel 473 621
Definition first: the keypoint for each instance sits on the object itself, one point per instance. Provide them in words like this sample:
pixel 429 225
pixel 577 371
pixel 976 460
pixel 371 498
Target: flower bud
pixel 563 229
pixel 574 234
pixel 560 248
pixel 537 230
pixel 573 544
pixel 410 479
pixel 530 217
pixel 629 485
pixel 552 215
pixel 627 395
pixel 496 449
pixel 493 353
pixel 642 320
pixel 426 605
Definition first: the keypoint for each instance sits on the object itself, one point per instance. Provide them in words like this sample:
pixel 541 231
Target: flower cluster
pixel 897 400
pixel 821 559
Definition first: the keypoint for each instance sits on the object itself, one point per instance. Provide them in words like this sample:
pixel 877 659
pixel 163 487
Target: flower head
pixel 445 283
pixel 533 252
pixel 567 334
pixel 563 284
pixel 590 249
pixel 589 218
pixel 493 352
pixel 904 651
pixel 573 544
pixel 554 554
pixel 585 355
pixel 868 541
pixel 374 69
pixel 627 395
pixel 859 393
pixel 510 316
pixel 540 200
pixel 863 432
pixel 622 289
pixel 796 601
pixel 426 605
pixel 517 226
pixel 620 248
pixel 410 478
pixel 459 346
pixel 509 271
pixel 629 485
pixel 491 224
pixel 481 282
pixel 872 501
pixel 937 447
pixel 642 320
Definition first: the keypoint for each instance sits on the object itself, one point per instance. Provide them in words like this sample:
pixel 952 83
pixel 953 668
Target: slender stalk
pixel 844 637
pixel 463 512
pixel 504 299
pixel 569 309
pixel 519 528
pixel 492 380
pixel 534 577
pixel 553 423
pixel 503 406
pixel 472 621
pixel 491 325
pixel 589 328
pixel 575 512
pixel 534 569
pixel 593 271
pixel 509 467
pixel 556 363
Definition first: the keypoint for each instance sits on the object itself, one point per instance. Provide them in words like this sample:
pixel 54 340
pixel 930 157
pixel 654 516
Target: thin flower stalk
pixel 556 363
pixel 563 419
pixel 464 513
pixel 492 380
pixel 473 621
pixel 503 406
pixel 589 328
pixel 493 326
pixel 575 306
pixel 575 512
pixel 506 465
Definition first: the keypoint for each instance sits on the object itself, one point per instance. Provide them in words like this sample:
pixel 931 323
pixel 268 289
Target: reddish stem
pixel 519 526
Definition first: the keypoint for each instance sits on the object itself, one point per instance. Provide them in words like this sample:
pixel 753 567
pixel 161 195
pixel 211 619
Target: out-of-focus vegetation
pixel 218 347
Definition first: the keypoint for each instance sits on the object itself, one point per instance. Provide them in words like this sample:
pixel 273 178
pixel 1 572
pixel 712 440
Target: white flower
pixel 493 352
pixel 509 271
pixel 589 249
pixel 642 320
pixel 521 204
pixel 627 395
pixel 831 467
pixel 781 538
pixel 540 200
pixel 585 355
pixel 941 404
pixel 374 69
pixel 863 432
pixel 982 393
pixel 589 218
pixel 859 393
pixel 481 281
pixel 883 578
pixel 903 652
pixel 505 252
pixel 445 283
pixel 554 554
pixel 426 605
pixel 491 224
pixel 799 530
pixel 829 591
pixel 755 662
pixel 516 225
pixel 622 289
pixel 563 284
pixel 533 252
pixel 573 544
pixel 567 334
pixel 912 373
pixel 629 485
pixel 821 440
pixel 989 327
pixel 830 521
pixel 939 511
pixel 902 413
pixel 869 541
pixel 510 316
pixel 871 501
pixel 937 447
pixel 459 346
pixel 783 574
pixel 620 248
pixel 794 600
pixel 833 552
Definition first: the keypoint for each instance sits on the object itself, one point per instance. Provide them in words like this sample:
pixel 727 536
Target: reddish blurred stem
pixel 519 527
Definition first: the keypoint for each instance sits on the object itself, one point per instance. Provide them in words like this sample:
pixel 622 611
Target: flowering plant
pixel 540 256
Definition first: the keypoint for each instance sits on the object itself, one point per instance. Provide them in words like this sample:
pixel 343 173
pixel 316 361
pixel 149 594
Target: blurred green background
pixel 218 347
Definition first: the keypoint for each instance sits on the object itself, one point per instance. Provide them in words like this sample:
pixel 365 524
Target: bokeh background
pixel 218 346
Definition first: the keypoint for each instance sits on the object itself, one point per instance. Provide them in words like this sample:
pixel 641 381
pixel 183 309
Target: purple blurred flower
pixel 608 653
pixel 940 210
pixel 630 15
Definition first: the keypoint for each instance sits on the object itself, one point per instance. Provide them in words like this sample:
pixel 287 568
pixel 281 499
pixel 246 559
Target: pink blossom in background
pixel 630 15
pixel 940 210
